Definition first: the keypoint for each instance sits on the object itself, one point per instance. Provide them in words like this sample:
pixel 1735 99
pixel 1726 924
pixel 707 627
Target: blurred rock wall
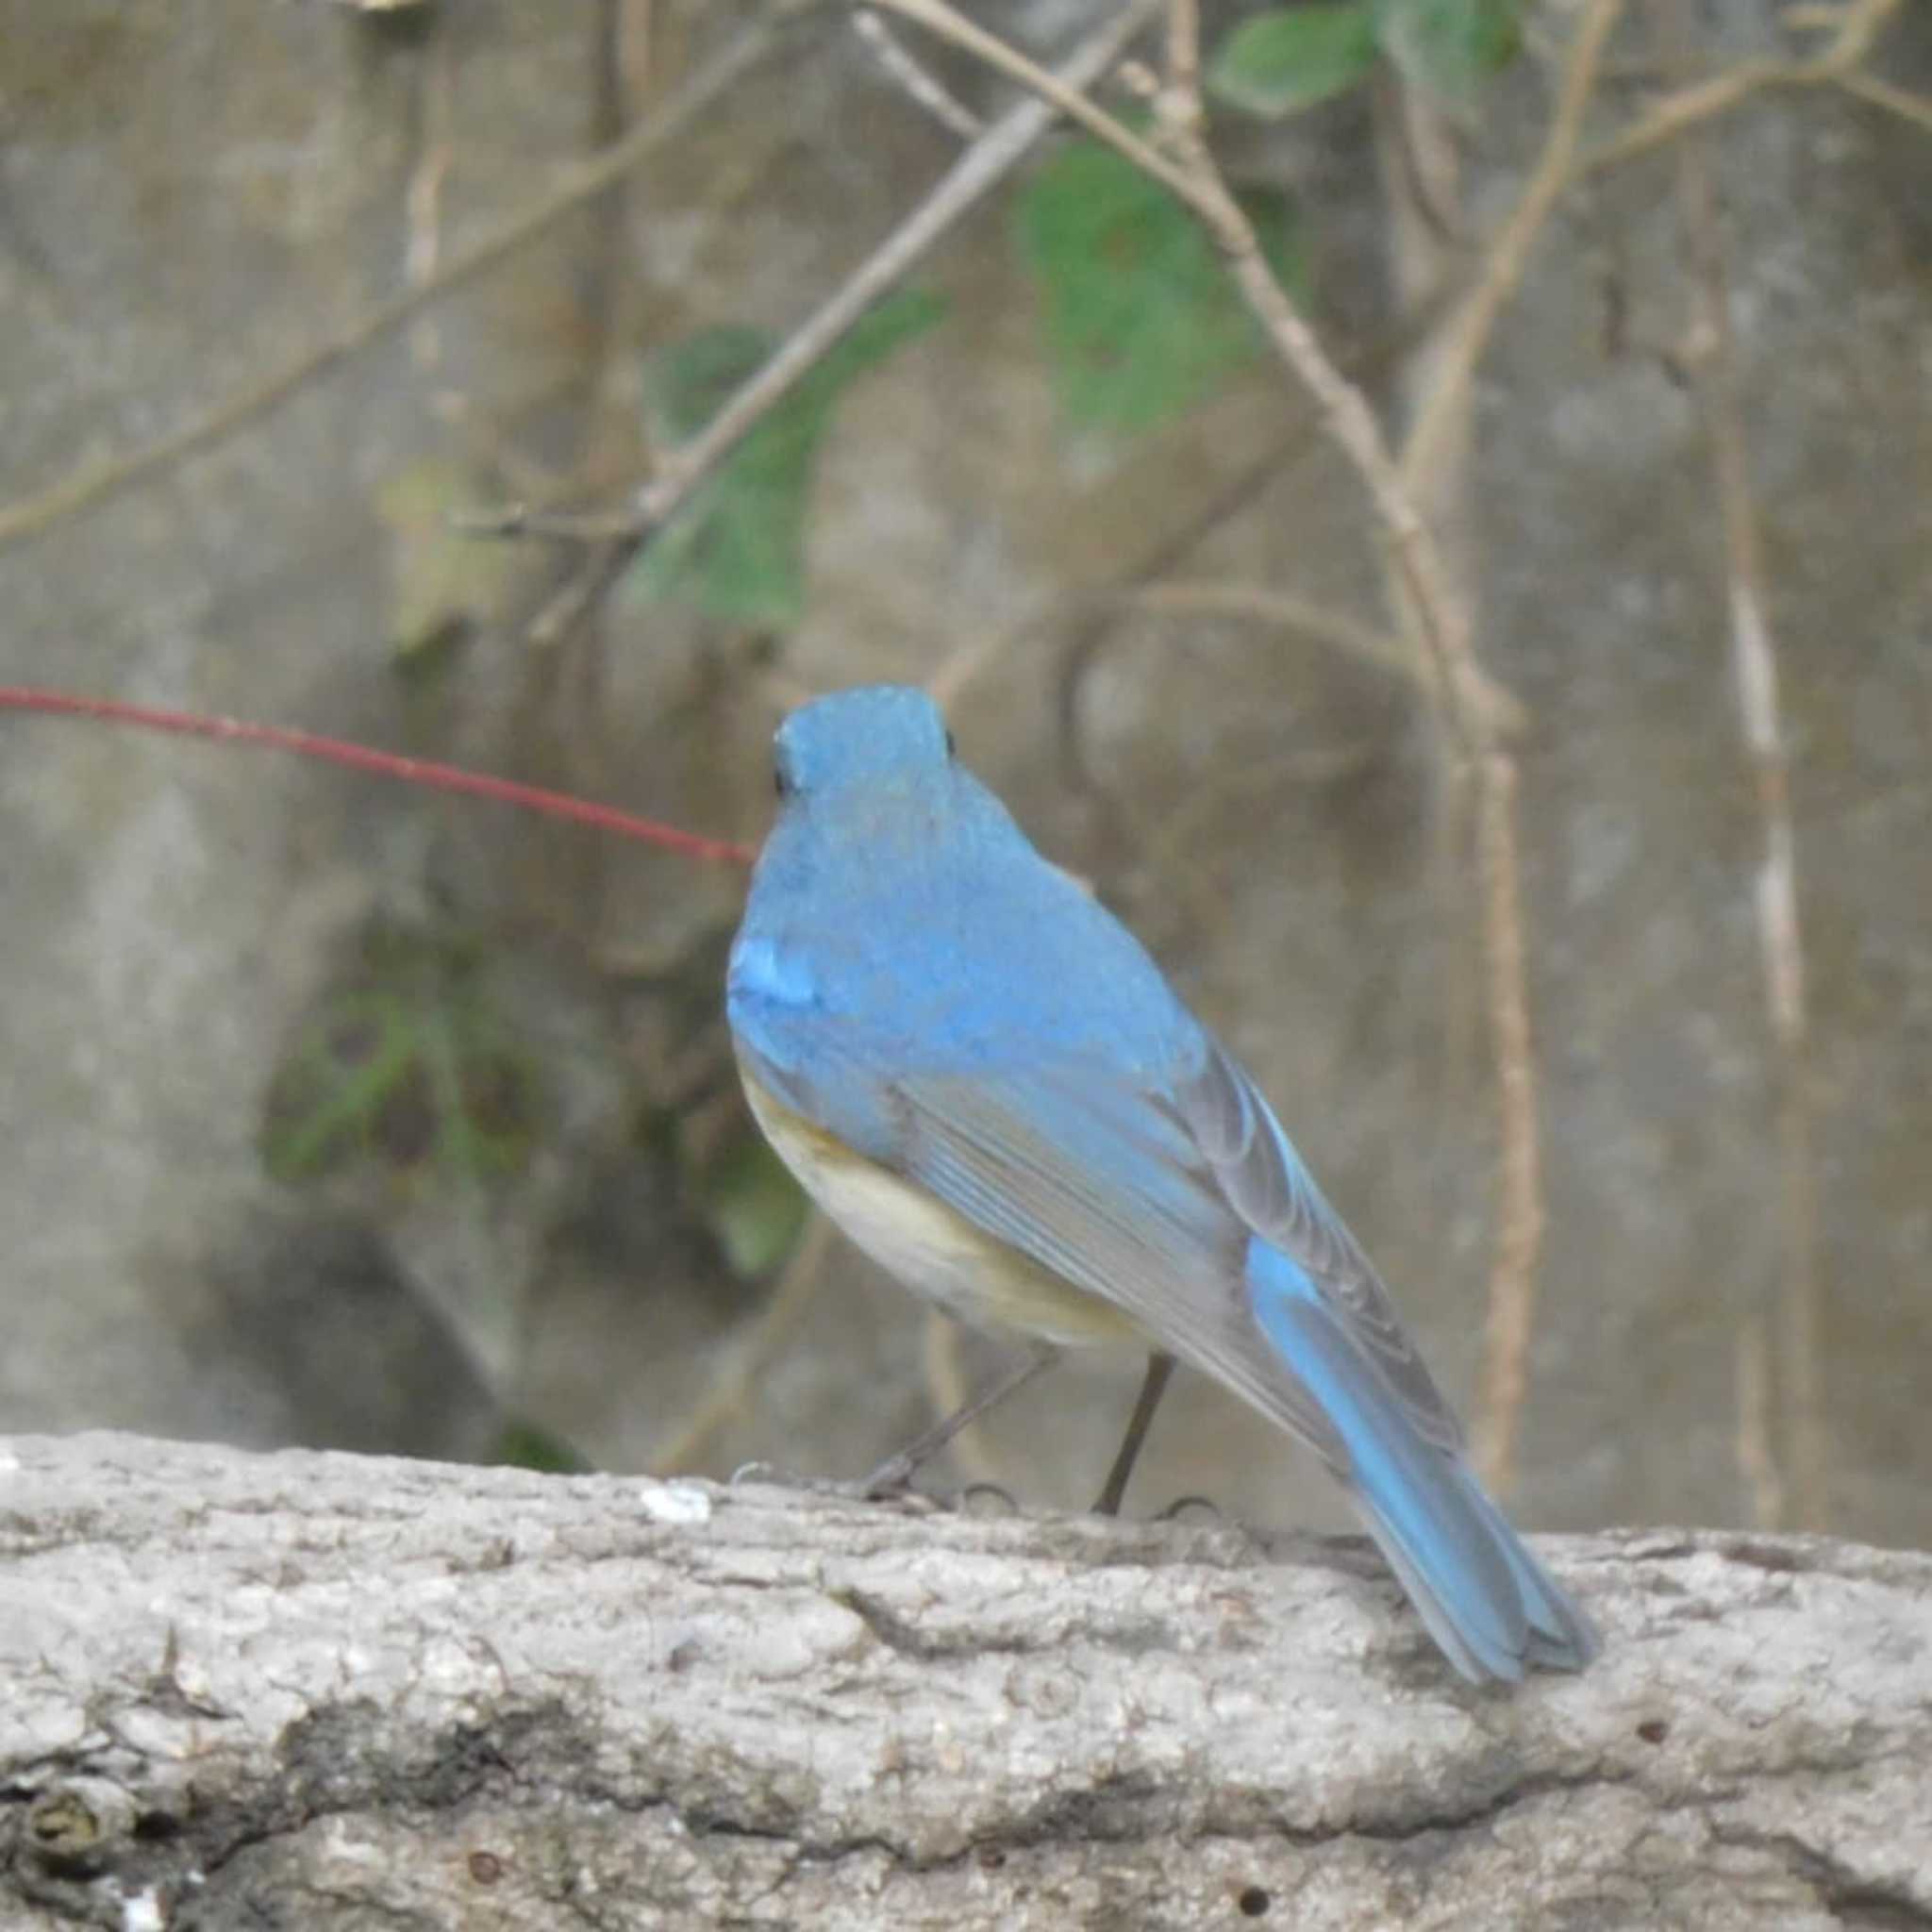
pixel 191 197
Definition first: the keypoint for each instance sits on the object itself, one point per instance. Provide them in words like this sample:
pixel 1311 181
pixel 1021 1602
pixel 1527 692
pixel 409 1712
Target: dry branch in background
pixel 923 87
pixel 1468 333
pixel 1782 1384
pixel 1439 614
pixel 98 480
pixel 327 1692
pixel 1434 473
pixel 978 170
pixel 1087 614
pixel 1856 25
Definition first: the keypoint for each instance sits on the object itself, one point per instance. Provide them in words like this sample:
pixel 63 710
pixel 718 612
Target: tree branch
pixel 1857 26
pixel 331 1691
pixel 1793 1488
pixel 1438 617
pixel 1468 334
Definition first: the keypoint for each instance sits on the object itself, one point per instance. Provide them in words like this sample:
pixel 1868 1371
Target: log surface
pixel 332 1692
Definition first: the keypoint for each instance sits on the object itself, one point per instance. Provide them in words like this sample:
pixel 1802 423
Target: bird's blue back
pixel 913 981
pixel 992 952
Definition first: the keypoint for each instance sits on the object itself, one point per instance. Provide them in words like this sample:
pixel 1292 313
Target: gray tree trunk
pixel 326 1691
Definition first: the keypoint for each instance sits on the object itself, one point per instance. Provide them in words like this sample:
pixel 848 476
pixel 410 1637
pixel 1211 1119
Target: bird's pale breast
pixel 928 1247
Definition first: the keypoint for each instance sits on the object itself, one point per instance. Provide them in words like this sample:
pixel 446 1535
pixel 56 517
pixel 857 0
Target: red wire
pixel 361 757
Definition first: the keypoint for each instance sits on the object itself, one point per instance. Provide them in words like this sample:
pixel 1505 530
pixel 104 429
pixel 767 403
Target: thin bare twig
pixel 948 1388
pixel 989 160
pixel 1097 607
pixel 1420 166
pixel 967 182
pixel 923 87
pixel 1895 100
pixel 95 482
pixel 1854 25
pixel 1421 188
pixel 1345 412
pixel 1434 463
pixel 423 199
pixel 1056 88
pixel 1681 111
pixel 1519 1214
pixel 1284 610
pixel 1858 23
pixel 1443 621
pixel 1445 626
pixel 564 694
pixel 619 71
pixel 579 595
pixel 1168 597
pixel 1184 65
pixel 1711 357
pixel 1349 421
pixel 1503 260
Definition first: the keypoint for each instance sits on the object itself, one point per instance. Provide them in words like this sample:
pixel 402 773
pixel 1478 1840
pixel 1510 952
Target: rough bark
pixel 325 1691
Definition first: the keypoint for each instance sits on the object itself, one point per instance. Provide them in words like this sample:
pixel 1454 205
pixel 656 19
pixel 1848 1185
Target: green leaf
pixel 408 1068
pixel 1451 46
pixel 530 1445
pixel 1288 59
pixel 1141 320
pixel 737 550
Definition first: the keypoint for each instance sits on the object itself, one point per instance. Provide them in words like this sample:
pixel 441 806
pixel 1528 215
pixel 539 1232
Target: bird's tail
pixel 1493 1608
pixel 1490 1605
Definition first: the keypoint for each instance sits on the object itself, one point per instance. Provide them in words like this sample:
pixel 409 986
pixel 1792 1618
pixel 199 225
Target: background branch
pixel 1440 616
pixel 96 482
pixel 1859 24
pixel 1506 257
pixel 978 170
pixel 1791 1486
pixel 1442 619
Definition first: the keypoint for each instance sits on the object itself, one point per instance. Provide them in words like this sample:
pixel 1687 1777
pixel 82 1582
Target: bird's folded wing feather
pixel 1266 1184
pixel 1152 1202
pixel 1148 1199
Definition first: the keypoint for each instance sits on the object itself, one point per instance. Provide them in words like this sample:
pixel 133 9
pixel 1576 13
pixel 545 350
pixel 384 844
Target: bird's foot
pixel 1183 1507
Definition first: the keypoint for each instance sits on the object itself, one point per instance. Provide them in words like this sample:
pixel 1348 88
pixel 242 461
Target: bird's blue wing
pixel 1104 1185
pixel 1192 1210
pixel 1147 1192
pixel 1265 1183
pixel 1187 1207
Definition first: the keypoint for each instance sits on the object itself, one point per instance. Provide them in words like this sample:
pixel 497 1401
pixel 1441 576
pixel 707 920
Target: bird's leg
pixel 1159 1367
pixel 896 1471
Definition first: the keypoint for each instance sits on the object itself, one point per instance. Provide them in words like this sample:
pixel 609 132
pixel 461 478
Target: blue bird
pixel 980 1075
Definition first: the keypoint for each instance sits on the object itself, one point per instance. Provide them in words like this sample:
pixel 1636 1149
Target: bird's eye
pixel 780 783
pixel 952 746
